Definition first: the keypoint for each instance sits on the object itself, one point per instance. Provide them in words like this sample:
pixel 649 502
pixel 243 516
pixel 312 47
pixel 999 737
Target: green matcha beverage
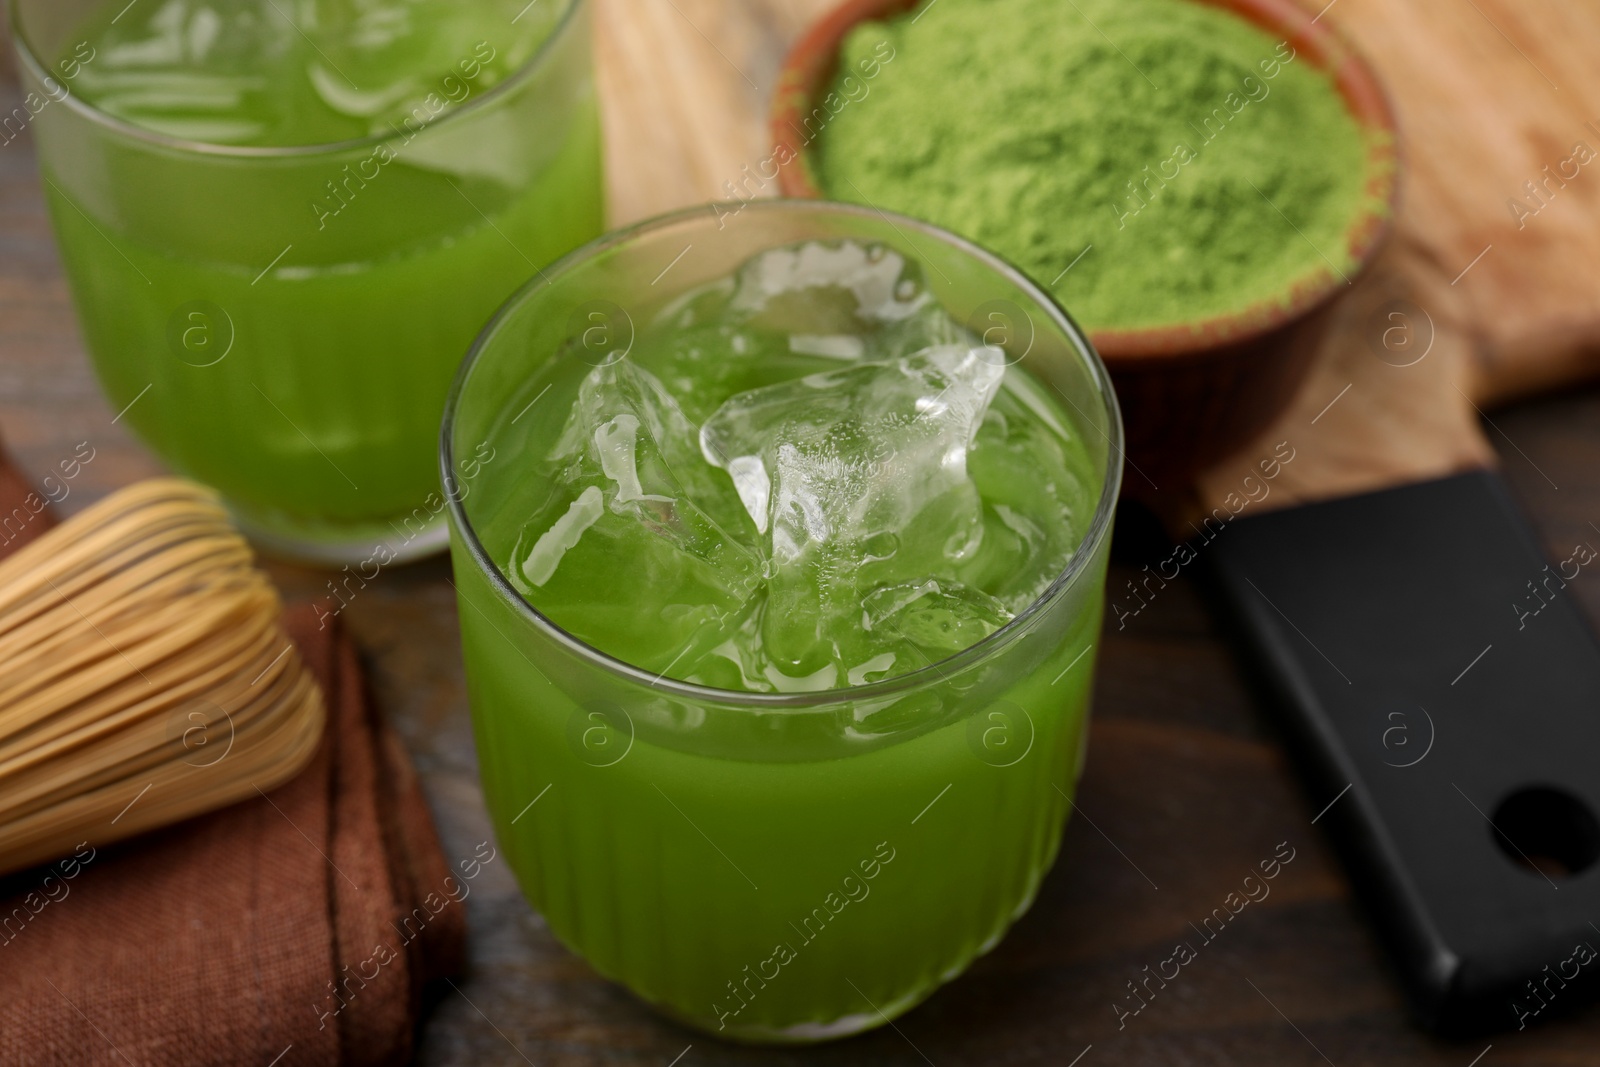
pixel 284 222
pixel 780 571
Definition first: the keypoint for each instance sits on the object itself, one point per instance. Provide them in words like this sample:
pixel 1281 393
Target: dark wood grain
pixel 1185 790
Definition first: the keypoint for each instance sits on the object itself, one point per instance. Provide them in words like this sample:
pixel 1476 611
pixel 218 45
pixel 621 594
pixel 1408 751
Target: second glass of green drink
pixel 283 222
pixel 779 578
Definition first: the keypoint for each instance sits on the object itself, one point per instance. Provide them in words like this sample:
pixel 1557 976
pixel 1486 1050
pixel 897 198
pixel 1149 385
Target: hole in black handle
pixel 1547 830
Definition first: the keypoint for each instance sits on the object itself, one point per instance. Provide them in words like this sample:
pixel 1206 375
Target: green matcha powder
pixel 1203 164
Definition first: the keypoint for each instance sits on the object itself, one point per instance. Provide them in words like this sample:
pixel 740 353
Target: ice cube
pixel 845 346
pixel 1036 496
pixel 857 477
pixel 630 427
pixel 937 617
pixel 702 364
pixel 879 666
pixel 845 455
pixel 624 537
pixel 842 300
pixel 796 311
pixel 203 30
pixel 737 663
pixel 545 555
pixel 346 99
pixel 163 46
pixel 805 278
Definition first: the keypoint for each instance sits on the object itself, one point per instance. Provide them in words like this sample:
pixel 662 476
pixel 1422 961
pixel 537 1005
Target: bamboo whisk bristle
pixel 144 676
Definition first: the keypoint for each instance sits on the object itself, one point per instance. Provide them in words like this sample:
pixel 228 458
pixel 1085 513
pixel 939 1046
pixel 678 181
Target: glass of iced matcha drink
pixel 780 536
pixel 283 221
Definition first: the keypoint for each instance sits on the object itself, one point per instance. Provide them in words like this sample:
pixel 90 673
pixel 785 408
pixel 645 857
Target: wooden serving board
pixel 1488 93
pixel 1486 293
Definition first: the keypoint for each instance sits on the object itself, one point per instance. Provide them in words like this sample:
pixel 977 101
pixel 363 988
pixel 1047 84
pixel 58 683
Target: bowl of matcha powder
pixel 1195 181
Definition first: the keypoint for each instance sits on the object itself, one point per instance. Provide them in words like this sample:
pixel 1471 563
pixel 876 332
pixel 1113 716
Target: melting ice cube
pixel 630 427
pixel 843 456
pixel 841 300
pixel 857 477
pixel 877 278
pixel 939 617
pixel 545 555
pixel 625 537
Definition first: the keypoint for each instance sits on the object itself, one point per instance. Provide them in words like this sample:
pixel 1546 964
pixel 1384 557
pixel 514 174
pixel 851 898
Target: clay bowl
pixel 1191 393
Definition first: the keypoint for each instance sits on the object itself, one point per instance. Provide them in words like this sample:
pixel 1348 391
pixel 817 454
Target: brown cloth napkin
pixel 304 926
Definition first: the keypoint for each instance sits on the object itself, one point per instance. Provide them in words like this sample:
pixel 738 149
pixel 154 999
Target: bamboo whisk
pixel 144 677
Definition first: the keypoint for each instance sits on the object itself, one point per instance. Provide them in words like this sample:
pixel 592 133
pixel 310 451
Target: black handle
pixel 1442 693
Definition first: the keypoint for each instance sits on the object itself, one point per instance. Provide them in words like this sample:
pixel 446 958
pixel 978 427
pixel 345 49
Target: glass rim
pixel 24 50
pixel 931 673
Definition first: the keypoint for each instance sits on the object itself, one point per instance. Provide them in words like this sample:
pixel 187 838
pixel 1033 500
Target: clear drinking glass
pixel 283 322
pixel 767 866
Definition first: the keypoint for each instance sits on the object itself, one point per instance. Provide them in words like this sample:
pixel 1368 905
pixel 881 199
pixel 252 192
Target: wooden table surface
pixel 1186 788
